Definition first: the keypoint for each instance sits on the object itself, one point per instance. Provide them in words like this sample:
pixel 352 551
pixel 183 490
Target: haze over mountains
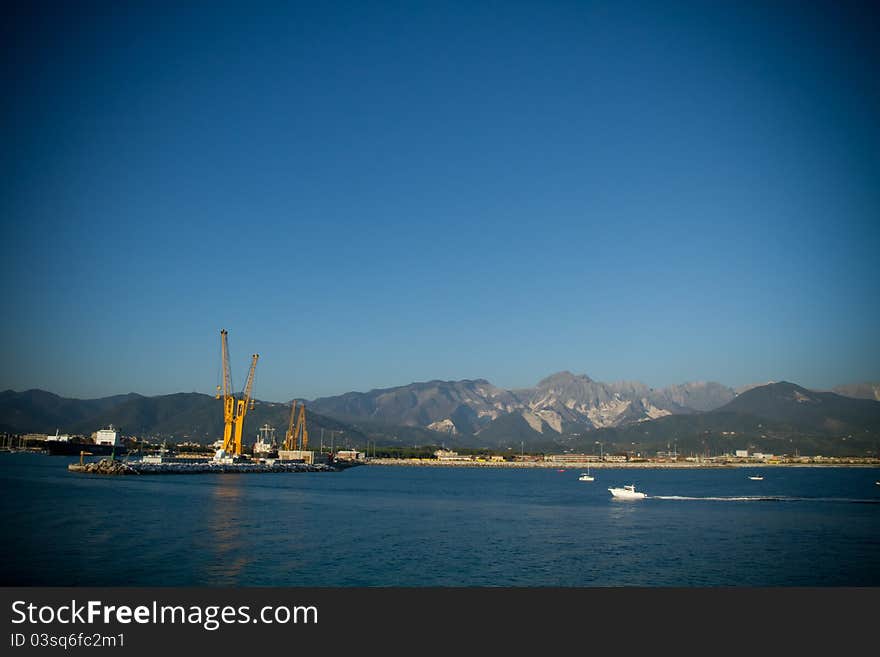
pixel 859 390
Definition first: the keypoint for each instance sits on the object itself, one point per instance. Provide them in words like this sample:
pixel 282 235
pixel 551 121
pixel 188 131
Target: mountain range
pixel 562 412
pixel 777 418
pixel 183 416
pixel 556 404
pixel 573 412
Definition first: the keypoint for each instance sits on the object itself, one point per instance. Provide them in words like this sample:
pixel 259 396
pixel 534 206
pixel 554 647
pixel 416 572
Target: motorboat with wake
pixel 627 493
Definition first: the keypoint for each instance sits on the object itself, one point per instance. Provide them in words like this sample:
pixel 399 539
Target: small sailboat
pixel 586 476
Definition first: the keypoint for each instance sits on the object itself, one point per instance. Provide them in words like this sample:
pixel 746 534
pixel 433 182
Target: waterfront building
pixel 571 458
pixel 449 455
pixel 301 455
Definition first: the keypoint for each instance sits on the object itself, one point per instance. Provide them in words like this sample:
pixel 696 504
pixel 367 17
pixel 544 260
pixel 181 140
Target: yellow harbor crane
pixel 234 411
pixel 226 393
pixel 244 404
pixel 297 437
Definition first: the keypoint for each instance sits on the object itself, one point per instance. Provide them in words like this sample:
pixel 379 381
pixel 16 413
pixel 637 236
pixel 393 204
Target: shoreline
pixel 433 463
pixel 827 462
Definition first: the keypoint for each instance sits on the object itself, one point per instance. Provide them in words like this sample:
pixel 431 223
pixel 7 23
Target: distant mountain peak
pixel 808 411
pixel 785 387
pixel 563 377
pixel 560 402
pixel 745 388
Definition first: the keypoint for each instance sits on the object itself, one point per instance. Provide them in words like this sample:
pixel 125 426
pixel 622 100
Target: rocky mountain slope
pixel 557 403
pixel 562 412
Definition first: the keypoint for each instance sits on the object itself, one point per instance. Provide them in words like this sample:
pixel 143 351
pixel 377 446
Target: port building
pixel 300 455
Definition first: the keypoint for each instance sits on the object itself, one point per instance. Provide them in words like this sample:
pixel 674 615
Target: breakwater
pixel 111 467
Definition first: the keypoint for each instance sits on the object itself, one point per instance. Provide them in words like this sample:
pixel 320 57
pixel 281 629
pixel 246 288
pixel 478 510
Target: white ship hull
pixel 627 493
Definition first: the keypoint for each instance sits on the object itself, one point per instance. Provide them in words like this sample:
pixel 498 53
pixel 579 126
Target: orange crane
pixel 234 411
pixel 301 430
pixel 297 437
pixel 245 404
pixel 289 441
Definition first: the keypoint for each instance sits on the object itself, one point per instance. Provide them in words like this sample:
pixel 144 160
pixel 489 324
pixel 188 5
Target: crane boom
pixel 302 433
pixel 227 395
pixel 244 404
pixel 289 437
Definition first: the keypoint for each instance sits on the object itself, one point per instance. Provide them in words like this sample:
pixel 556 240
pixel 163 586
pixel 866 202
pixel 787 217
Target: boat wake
pixel 763 498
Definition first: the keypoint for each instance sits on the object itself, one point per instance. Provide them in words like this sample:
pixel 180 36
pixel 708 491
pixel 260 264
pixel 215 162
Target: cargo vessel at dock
pixel 105 443
pixel 73 448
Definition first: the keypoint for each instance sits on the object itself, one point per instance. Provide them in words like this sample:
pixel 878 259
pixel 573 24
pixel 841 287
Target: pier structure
pixel 111 467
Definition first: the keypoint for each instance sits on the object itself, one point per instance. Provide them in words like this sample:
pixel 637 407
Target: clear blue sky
pixel 370 194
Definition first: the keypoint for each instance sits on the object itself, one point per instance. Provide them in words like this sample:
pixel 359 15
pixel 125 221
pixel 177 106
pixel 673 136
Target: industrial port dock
pixel 292 456
pixel 113 467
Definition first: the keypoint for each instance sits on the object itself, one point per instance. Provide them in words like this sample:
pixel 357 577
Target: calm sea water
pixel 396 526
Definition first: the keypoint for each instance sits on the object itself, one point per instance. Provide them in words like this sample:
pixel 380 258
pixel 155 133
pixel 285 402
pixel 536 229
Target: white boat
pixel 586 476
pixel 627 493
pixel 266 446
pixel 164 456
pixel 756 478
